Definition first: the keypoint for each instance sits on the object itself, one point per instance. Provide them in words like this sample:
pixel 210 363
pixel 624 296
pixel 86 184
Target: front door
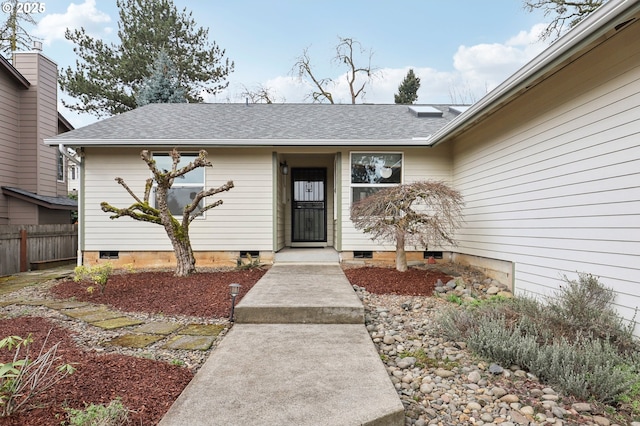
pixel 309 207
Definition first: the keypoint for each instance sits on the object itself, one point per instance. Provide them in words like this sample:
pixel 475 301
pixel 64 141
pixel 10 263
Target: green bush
pixel 114 414
pixel 583 307
pixel 98 274
pixel 576 341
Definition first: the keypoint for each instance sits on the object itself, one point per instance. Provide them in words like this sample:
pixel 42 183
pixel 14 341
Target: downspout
pixel 63 151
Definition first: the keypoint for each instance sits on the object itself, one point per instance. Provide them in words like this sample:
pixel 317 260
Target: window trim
pixel 200 187
pixel 373 185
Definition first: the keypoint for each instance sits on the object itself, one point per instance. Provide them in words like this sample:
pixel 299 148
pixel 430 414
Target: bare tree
pixel 260 94
pixel 565 13
pixel 346 52
pixel 13 35
pixel 463 93
pixel 425 213
pixel 177 231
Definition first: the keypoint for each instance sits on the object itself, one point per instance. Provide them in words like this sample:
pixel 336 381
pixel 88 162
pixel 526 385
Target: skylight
pixel 425 111
pixel 459 108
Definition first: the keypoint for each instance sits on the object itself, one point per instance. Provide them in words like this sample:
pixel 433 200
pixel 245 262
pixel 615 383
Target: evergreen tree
pixel 107 76
pixel 162 86
pixel 408 89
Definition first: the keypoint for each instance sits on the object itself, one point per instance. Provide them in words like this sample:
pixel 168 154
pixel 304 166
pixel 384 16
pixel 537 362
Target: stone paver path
pixel 194 337
pixel 198 337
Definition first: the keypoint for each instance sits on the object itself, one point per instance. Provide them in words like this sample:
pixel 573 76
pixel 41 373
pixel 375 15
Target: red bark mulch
pixel 148 387
pixel 205 294
pixel 414 282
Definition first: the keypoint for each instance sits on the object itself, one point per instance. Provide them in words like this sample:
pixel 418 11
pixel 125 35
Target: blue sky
pixel 459 48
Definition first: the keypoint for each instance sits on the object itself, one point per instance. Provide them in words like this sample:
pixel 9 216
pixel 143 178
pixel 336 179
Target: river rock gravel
pixel 441 383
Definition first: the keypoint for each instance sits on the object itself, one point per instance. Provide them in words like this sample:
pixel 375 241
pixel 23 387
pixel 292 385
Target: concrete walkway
pixel 298 354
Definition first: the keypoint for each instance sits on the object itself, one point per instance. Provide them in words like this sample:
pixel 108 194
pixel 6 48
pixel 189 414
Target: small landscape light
pixel 235 290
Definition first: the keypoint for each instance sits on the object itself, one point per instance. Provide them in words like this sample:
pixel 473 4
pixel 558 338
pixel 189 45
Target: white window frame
pixel 60 167
pixel 185 158
pixel 378 170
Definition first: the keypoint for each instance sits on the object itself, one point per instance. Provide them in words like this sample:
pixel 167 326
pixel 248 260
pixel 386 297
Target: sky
pixel 460 49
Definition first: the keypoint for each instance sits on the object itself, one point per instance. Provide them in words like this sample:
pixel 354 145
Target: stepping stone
pixel 64 304
pixel 135 340
pixel 202 329
pixel 110 324
pixel 12 302
pixel 98 316
pixel 92 314
pixel 164 328
pixel 190 343
pixel 83 310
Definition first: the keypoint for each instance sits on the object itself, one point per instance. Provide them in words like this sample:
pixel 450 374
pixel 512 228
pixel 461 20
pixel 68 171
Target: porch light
pixel 235 290
pixel 284 168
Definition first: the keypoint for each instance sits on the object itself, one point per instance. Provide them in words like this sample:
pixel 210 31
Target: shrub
pixel 576 341
pixel 98 274
pixel 114 414
pixel 583 307
pixel 249 264
pixel 23 378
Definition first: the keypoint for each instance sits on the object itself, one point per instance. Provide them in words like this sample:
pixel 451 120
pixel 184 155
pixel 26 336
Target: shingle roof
pixel 56 203
pixel 260 122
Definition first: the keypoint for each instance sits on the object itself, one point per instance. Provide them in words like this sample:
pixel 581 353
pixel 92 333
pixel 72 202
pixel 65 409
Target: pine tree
pixel 408 89
pixel 109 75
pixel 163 85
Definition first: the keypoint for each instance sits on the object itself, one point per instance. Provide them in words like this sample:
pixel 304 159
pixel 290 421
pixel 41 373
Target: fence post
pixel 23 250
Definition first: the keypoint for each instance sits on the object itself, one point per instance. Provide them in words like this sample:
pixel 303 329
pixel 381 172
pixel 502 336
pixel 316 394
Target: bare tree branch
pixel 426 214
pixel 345 56
pixel 260 94
pixel 303 69
pixel 565 13
pixel 178 232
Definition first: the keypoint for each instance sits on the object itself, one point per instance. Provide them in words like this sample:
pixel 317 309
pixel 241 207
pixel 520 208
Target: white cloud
pixel 53 26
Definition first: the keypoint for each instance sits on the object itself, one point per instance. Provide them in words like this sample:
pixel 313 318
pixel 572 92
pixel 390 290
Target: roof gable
pixel 13 73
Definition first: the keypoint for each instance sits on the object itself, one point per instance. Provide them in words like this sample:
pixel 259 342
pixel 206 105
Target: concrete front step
pixel 290 374
pixel 301 294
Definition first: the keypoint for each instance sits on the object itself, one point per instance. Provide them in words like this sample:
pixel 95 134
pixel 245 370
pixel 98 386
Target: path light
pixel 235 290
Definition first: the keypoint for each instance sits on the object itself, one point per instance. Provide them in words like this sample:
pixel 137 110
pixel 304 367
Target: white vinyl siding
pixel 242 222
pixel 418 164
pixel 552 180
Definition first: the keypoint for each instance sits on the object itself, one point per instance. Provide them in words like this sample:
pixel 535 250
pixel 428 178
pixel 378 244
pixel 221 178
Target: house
pixel 291 165
pixel 32 175
pixel 548 164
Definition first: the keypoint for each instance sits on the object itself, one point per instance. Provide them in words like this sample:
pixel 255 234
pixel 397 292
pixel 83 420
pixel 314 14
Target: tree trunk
pixel 401 255
pixel 185 261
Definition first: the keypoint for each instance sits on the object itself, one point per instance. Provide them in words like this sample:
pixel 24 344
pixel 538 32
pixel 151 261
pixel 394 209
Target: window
pixel 60 166
pixel 184 188
pixel 371 172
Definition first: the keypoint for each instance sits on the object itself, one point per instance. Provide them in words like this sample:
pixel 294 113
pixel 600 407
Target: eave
pixel 238 143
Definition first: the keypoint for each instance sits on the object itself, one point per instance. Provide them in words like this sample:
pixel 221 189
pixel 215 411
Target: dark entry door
pixel 309 207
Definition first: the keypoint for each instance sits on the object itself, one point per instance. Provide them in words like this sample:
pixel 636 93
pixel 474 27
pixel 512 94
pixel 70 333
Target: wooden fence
pixel 21 246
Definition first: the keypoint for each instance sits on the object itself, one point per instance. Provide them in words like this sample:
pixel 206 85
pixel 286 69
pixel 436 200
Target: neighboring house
pixel 548 164
pixel 32 175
